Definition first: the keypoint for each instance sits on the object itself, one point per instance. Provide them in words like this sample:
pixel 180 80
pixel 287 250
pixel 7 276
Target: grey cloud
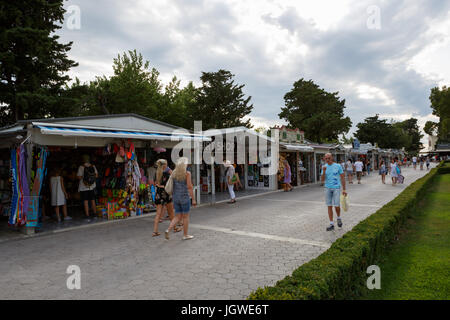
pixel 348 52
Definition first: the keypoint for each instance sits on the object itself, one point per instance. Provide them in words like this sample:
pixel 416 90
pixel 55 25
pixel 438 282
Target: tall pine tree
pixel 33 64
pixel 220 102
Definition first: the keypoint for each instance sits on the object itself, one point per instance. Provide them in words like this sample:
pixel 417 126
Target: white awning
pixel 118 133
pixel 298 148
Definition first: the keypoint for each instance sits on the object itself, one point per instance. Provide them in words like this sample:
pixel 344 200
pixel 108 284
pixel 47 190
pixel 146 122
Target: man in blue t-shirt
pixel 333 176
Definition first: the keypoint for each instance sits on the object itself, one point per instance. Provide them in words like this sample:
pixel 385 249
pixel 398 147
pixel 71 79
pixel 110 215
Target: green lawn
pixel 418 265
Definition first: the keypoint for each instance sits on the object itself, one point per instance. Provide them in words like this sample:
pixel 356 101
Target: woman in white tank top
pixel 59 194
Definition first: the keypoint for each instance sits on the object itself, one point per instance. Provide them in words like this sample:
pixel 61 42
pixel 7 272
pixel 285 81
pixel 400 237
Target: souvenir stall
pixel 319 153
pixel 300 158
pixel 121 156
pixel 251 165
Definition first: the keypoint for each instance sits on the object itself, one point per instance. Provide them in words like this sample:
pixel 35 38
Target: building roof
pixel 98 117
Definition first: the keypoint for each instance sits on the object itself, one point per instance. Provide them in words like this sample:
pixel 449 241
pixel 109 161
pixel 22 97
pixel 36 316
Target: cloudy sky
pixel 382 56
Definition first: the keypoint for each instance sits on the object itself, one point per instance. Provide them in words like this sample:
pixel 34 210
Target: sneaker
pixel 68 218
pixel 188 237
pixel 339 223
pixel 330 228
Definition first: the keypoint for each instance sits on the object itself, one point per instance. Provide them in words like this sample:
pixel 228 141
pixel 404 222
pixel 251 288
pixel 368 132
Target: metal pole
pixel 213 182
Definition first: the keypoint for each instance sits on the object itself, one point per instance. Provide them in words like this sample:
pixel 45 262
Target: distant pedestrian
pixel 239 172
pixel 182 196
pixel 231 179
pixel 359 165
pixel 428 163
pixel 368 167
pixel 383 171
pixel 349 169
pixel 287 176
pixel 414 161
pixel 334 180
pixel 421 163
pixel 394 171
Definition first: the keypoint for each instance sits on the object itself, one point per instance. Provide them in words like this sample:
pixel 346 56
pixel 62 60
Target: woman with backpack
pixel 87 174
pixel 182 194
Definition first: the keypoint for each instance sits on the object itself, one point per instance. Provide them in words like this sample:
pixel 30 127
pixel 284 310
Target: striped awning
pixel 119 133
pixel 298 148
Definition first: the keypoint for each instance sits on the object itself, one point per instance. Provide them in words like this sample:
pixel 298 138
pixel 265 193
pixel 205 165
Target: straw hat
pixel 227 164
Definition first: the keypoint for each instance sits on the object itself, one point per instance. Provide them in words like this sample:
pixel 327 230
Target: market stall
pixel 121 147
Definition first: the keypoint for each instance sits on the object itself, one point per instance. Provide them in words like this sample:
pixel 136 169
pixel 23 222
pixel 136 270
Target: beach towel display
pixel 20 188
pixel 15 189
pixel 33 213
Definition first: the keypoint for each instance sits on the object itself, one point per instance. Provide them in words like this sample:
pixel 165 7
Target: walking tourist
pixel 368 166
pixel 162 198
pixel 428 163
pixel 231 179
pixel 394 171
pixel 421 163
pixel 414 160
pixel 349 168
pixel 334 180
pixel 87 174
pixel 359 165
pixel 383 171
pixel 182 195
pixel 287 176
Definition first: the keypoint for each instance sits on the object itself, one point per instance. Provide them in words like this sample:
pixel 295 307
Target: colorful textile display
pixel 15 189
pixel 33 209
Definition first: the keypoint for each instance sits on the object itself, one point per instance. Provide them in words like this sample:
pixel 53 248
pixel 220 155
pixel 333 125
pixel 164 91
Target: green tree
pixel 135 87
pixel 440 103
pixel 220 103
pixel 319 113
pixel 374 130
pixel 385 134
pixel 33 64
pixel 431 128
pixel 412 135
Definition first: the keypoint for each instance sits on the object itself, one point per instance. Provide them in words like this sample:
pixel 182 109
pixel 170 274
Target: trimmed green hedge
pixel 340 272
pixel 444 167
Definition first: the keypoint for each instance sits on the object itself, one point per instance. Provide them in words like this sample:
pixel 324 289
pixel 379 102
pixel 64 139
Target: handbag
pixel 169 185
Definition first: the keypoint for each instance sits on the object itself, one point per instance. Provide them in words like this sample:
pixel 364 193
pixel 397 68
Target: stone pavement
pixel 237 248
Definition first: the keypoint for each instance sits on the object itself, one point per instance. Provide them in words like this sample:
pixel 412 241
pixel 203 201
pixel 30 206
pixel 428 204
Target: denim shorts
pixel 333 197
pixel 182 206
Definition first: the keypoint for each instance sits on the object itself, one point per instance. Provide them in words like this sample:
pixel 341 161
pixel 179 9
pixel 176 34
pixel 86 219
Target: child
pixel 59 194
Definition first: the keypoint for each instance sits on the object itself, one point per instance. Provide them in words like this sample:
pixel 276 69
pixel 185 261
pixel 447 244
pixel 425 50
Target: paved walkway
pixel 236 249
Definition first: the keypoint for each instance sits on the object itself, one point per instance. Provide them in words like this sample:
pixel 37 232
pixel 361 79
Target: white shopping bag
pixel 344 202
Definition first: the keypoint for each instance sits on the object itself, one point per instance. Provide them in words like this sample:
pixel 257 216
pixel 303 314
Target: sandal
pixel 176 229
pixel 156 234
